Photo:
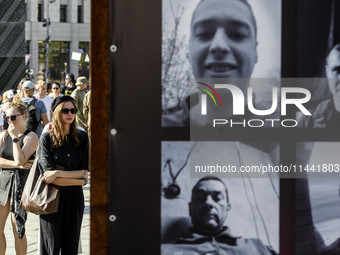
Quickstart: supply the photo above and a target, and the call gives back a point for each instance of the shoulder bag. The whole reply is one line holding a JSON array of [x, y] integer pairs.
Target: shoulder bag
[[39, 197]]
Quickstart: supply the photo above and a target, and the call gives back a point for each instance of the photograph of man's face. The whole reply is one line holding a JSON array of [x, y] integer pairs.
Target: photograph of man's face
[[196, 207], [209, 206], [223, 40], [216, 39]]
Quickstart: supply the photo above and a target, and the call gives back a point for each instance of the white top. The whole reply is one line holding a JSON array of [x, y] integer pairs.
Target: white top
[[47, 101]]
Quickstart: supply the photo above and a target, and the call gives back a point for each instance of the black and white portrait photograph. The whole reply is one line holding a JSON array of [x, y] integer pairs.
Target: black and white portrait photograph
[[217, 214], [318, 199], [318, 57], [215, 39]]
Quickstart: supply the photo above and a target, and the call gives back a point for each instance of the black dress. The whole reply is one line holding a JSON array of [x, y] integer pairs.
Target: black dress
[[12, 182], [61, 231]]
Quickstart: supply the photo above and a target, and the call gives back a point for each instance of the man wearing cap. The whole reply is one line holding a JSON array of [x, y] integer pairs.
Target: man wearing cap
[[27, 92], [78, 94]]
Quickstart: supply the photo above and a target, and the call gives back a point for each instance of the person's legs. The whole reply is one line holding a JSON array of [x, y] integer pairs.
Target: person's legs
[[72, 224], [50, 233], [20, 244], [4, 211]]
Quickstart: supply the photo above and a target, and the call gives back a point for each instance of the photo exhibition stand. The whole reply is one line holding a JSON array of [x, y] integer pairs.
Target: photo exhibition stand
[[130, 147]]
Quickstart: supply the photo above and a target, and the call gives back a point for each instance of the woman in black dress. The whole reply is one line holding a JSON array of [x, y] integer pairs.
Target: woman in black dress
[[17, 144], [66, 146]]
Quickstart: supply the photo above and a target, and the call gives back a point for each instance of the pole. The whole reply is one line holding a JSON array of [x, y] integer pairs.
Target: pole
[[47, 38]]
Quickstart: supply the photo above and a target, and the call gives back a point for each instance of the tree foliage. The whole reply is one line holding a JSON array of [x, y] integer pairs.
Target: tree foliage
[[176, 72]]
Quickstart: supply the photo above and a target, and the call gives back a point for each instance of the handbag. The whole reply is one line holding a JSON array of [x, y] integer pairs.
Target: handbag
[[39, 197]]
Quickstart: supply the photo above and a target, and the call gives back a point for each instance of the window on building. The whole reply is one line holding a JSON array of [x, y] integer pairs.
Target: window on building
[[83, 64], [80, 14], [27, 47], [59, 58], [40, 12], [63, 13]]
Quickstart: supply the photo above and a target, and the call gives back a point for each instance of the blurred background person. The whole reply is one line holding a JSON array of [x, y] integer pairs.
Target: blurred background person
[[49, 88], [56, 90], [37, 115], [20, 85], [78, 94], [41, 88], [70, 85], [87, 111], [7, 98]]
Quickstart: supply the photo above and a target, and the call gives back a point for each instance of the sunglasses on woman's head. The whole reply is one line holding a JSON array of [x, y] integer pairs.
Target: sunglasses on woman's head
[[13, 117], [72, 110]]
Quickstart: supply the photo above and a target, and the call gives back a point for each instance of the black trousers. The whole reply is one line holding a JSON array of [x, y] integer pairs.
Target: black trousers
[[61, 231]]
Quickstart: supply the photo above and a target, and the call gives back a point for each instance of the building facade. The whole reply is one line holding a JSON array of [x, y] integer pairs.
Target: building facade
[[12, 43], [69, 35]]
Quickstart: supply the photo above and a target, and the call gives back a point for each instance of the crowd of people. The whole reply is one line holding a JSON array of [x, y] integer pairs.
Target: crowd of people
[[50, 123]]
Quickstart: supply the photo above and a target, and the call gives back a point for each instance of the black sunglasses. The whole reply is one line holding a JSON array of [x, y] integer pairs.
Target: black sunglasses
[[66, 110], [55, 88], [13, 117]]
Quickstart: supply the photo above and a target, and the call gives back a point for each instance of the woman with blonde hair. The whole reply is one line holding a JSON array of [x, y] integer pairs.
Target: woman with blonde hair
[[64, 145], [17, 145]]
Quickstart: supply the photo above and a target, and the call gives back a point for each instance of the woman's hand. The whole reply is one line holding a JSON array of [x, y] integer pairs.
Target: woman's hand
[[49, 176], [13, 131], [86, 174], [26, 166]]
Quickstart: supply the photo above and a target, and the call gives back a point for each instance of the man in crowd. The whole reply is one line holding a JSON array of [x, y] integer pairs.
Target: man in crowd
[[222, 45], [208, 210], [87, 111], [78, 94], [34, 124], [41, 88], [327, 113]]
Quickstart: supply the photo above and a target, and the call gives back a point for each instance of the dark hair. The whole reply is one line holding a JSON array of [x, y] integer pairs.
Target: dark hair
[[243, 1], [71, 75], [210, 178], [56, 83]]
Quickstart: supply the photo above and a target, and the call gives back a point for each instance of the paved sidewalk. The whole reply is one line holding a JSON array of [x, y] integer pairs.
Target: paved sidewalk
[[32, 230]]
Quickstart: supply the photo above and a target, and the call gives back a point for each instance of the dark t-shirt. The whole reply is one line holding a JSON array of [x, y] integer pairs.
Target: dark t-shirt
[[68, 156], [67, 91]]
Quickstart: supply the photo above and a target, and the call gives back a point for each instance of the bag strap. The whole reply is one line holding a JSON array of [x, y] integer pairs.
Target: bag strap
[[33, 101]]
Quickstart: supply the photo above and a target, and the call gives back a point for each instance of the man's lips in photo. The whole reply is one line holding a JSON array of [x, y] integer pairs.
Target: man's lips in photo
[[210, 215], [220, 67]]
